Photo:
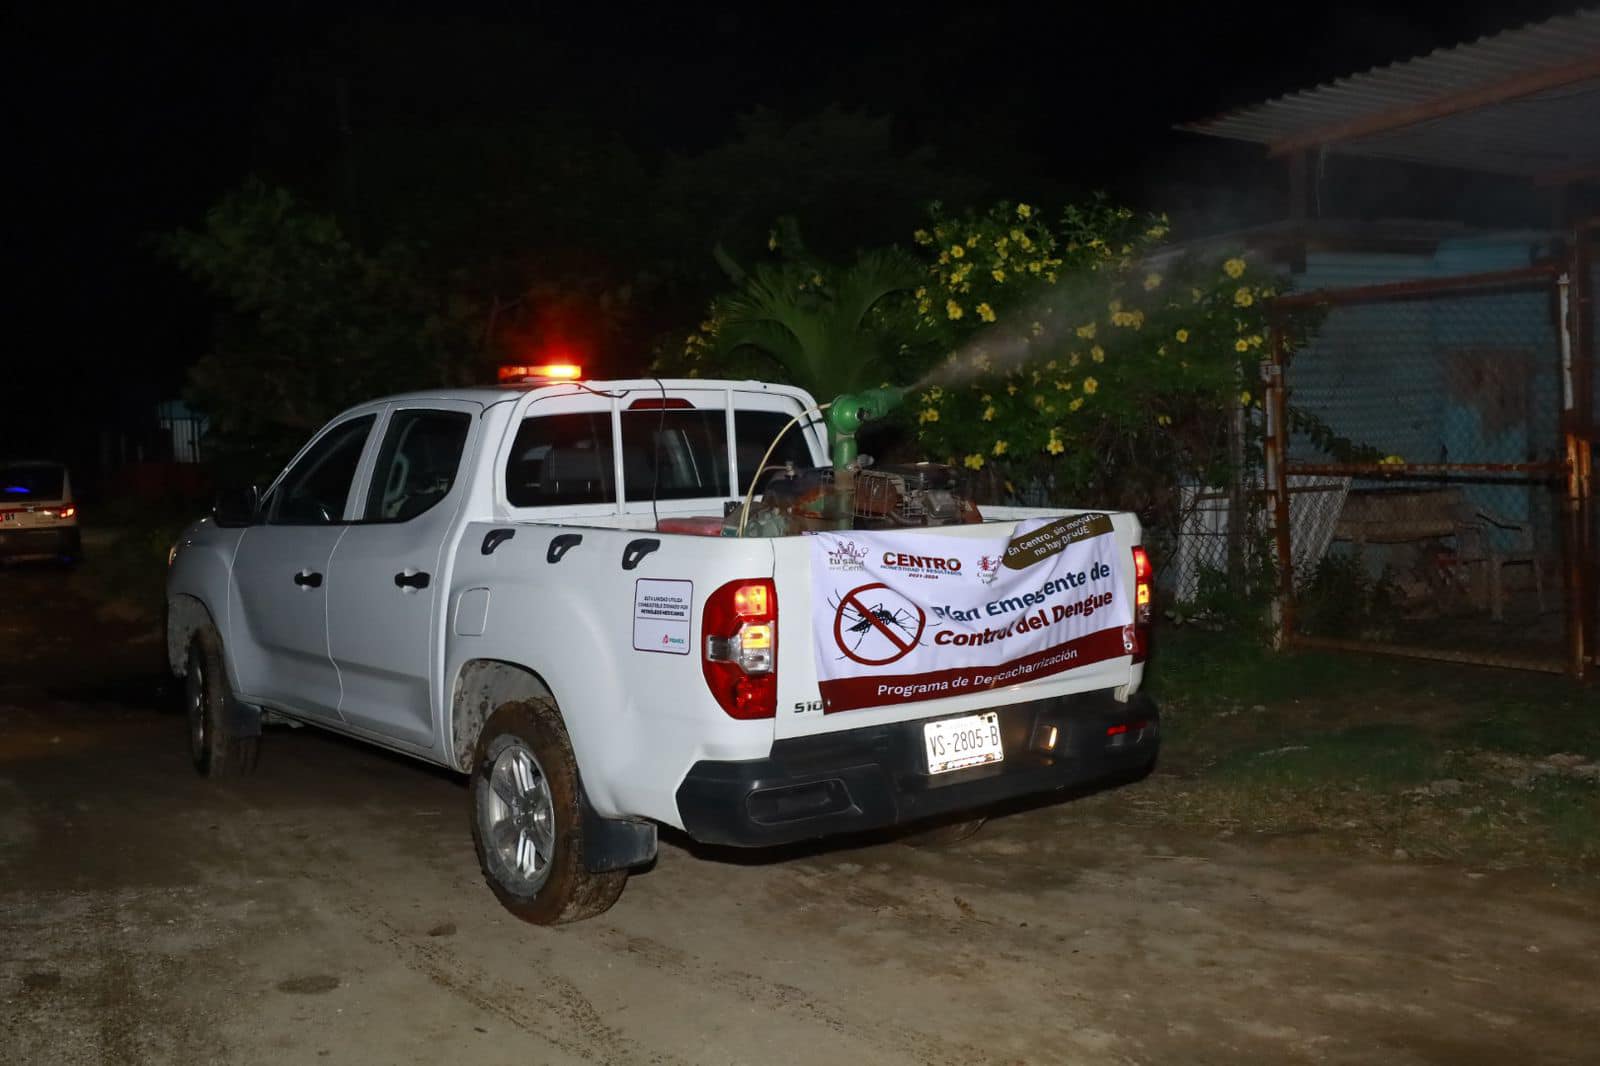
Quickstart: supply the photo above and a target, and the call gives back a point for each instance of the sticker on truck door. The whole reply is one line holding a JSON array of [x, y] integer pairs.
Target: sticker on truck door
[[920, 617], [661, 615]]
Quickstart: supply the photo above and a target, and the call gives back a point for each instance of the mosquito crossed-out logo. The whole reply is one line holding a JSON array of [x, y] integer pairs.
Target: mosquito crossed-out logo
[[875, 626], [847, 556]]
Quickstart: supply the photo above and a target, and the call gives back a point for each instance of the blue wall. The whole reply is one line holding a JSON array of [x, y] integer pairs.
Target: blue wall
[[1463, 378]]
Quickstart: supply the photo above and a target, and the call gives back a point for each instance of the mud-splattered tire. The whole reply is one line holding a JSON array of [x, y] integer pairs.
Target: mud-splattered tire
[[214, 745], [527, 819], [943, 834]]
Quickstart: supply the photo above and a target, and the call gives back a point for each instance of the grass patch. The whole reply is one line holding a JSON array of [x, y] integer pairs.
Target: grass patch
[[1569, 810], [1195, 667], [124, 569], [130, 570], [1378, 754], [1525, 727]]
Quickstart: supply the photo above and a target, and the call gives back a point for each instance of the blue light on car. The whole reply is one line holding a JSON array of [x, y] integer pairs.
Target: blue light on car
[[19, 489]]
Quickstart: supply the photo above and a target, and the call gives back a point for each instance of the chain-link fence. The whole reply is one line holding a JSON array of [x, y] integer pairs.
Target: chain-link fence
[[1423, 454]]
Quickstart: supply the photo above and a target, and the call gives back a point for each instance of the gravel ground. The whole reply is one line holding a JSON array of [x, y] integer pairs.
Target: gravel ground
[[329, 909]]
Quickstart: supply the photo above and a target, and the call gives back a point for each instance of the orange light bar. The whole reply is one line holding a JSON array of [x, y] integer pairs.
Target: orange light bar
[[554, 371]]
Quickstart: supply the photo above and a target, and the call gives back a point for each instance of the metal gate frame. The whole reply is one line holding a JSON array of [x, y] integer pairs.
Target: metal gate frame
[[1579, 438]]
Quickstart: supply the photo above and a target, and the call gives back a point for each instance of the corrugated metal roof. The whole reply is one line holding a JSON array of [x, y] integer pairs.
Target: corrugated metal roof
[[1546, 132]]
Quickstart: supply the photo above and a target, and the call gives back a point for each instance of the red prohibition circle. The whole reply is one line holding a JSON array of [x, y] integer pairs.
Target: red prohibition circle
[[850, 599]]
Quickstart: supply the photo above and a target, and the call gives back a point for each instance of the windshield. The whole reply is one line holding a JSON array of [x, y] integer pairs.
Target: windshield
[[27, 482]]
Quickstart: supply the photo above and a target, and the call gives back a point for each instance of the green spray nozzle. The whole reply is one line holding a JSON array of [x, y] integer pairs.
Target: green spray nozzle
[[846, 414]]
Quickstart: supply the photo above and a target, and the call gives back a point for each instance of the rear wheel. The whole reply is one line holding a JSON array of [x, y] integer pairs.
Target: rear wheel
[[527, 819], [214, 745]]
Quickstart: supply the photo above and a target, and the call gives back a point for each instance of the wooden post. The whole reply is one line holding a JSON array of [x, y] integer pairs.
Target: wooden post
[[1276, 450], [1577, 433]]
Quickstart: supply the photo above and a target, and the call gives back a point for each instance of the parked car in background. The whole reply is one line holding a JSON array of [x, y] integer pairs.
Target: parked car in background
[[38, 516]]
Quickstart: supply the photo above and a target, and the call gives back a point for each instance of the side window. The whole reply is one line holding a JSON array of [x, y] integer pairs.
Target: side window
[[562, 460], [315, 490], [753, 431], [417, 464], [691, 448]]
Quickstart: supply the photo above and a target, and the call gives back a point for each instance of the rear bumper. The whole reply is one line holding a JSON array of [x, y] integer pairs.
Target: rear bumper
[[877, 776], [21, 543]]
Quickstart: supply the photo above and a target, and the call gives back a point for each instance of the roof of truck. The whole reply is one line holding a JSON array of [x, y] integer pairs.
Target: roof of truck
[[492, 394]]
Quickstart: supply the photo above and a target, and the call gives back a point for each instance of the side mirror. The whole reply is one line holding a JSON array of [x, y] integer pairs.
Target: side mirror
[[237, 507]]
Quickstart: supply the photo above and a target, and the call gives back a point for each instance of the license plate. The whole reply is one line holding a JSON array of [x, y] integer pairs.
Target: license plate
[[958, 743]]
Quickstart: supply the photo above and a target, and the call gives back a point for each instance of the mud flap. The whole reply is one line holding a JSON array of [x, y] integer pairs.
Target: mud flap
[[243, 721], [615, 843]]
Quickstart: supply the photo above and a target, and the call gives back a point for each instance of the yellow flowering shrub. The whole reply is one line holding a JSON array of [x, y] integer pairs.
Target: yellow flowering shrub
[[1069, 350], [1085, 288]]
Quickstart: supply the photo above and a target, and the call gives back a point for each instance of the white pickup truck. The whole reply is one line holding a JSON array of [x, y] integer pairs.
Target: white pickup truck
[[544, 586]]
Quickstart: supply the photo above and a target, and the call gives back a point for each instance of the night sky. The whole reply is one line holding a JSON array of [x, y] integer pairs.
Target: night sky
[[128, 125]]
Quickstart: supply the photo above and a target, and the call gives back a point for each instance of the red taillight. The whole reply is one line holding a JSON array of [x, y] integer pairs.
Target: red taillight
[[60, 512], [751, 601], [739, 647], [1142, 610], [671, 403]]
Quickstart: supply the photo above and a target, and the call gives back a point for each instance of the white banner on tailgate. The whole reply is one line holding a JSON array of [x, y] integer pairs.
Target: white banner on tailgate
[[894, 624]]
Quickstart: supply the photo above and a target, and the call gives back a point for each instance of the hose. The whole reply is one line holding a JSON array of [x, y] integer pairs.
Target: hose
[[744, 515]]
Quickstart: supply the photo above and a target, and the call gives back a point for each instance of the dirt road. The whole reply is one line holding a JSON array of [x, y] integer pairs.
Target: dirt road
[[329, 909]]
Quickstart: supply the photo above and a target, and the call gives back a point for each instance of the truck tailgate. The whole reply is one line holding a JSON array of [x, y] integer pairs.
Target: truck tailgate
[[924, 623]]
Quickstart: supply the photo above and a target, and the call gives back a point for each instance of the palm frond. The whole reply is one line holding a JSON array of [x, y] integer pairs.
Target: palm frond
[[821, 334]]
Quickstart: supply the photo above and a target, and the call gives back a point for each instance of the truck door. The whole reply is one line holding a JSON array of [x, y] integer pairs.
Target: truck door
[[278, 631], [385, 580]]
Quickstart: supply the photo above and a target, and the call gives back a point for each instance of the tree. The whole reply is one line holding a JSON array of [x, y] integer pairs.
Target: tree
[[828, 329], [312, 324], [840, 173]]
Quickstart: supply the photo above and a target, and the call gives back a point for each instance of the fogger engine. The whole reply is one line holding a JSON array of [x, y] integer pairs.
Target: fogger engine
[[854, 493], [884, 497]]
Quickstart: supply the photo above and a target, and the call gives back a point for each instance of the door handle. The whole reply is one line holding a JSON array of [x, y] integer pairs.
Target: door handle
[[638, 549], [308, 579], [414, 580], [560, 545], [494, 538]]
